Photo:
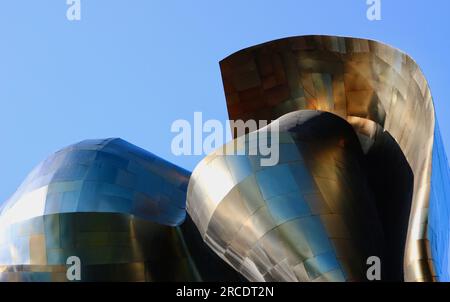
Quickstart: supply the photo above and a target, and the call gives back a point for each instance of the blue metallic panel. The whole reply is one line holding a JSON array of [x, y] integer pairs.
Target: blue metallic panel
[[439, 212]]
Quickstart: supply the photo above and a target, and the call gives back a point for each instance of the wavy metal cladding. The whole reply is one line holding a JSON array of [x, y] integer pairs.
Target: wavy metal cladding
[[110, 176], [115, 206], [371, 85], [308, 218]]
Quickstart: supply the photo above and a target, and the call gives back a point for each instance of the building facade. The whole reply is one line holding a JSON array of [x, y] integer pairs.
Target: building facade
[[361, 172]]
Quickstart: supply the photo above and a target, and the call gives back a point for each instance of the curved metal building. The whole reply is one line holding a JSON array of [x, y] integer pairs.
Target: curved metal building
[[402, 175], [116, 207], [360, 171]]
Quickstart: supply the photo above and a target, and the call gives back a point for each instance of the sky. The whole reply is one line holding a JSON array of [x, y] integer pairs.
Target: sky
[[131, 68]]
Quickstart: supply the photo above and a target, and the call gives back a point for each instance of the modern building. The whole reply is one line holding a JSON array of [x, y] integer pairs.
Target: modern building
[[361, 172], [118, 208], [329, 204]]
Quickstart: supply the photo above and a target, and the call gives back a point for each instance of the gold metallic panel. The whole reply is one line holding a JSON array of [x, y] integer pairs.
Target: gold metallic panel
[[355, 79], [308, 218]]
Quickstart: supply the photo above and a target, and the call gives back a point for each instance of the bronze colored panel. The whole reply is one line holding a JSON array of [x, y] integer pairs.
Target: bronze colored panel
[[381, 84], [307, 201]]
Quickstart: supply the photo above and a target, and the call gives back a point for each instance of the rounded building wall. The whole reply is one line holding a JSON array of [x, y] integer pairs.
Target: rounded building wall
[[349, 77]]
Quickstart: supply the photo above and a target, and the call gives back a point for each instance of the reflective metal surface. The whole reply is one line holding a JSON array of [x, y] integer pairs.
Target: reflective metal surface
[[111, 247], [362, 172], [311, 217], [371, 85], [101, 176], [115, 206], [438, 231]]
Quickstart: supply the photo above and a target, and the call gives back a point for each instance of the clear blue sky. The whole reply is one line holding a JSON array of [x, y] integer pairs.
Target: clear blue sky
[[130, 68]]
